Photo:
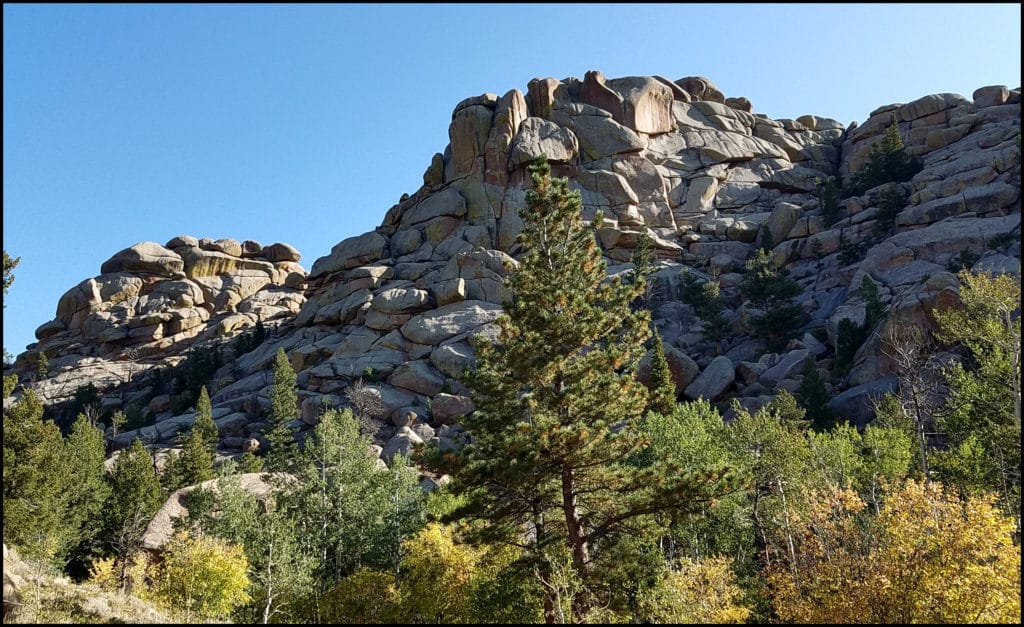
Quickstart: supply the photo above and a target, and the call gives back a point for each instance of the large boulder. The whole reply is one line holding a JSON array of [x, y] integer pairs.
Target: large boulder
[[161, 527], [538, 137], [349, 253], [857, 405], [434, 327], [280, 252], [714, 381], [148, 257]]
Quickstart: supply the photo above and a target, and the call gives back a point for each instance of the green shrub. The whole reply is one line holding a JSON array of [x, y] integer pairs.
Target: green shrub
[[962, 260], [852, 252], [1003, 240]]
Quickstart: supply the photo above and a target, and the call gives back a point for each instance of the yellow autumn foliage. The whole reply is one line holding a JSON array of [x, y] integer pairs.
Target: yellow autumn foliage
[[928, 558], [202, 577], [702, 591]]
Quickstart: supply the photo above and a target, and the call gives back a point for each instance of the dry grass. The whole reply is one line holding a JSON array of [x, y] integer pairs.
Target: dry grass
[[49, 598]]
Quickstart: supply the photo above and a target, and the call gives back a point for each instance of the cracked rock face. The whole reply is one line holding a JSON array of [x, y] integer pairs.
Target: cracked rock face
[[701, 174]]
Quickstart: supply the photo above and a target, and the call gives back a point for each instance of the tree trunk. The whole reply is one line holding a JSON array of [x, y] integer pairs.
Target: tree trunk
[[577, 539]]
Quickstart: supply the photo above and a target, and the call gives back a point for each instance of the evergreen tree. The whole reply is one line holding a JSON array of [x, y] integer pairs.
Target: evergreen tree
[[814, 398], [194, 464], [874, 307], [770, 290], [204, 423], [558, 404], [661, 390], [260, 332], [9, 266], [887, 161], [134, 497], [35, 481], [706, 300], [283, 409], [85, 450]]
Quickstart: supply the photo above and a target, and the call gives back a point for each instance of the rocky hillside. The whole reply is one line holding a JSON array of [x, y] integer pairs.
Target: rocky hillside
[[702, 175]]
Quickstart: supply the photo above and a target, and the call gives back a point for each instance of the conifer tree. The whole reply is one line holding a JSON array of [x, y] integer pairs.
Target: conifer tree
[[814, 398], [134, 497], [661, 391], [283, 410], [204, 424], [9, 266], [85, 451], [35, 479], [770, 289], [558, 404], [193, 465]]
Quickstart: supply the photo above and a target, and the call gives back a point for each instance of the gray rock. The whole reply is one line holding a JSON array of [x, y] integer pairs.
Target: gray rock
[[538, 137], [436, 326], [857, 404], [349, 253], [281, 252], [714, 381], [417, 376], [448, 202], [788, 366], [400, 444], [148, 257], [452, 358], [448, 408]]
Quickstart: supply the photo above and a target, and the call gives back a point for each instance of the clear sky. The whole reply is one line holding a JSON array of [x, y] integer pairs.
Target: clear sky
[[304, 124]]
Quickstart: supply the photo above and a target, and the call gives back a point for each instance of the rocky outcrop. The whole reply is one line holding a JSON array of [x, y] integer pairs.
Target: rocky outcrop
[[153, 302], [395, 311]]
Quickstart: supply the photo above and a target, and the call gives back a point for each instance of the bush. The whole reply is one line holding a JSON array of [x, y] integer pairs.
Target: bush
[[852, 252], [202, 576], [963, 260]]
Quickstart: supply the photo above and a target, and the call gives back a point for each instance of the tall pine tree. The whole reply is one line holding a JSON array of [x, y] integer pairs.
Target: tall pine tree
[[283, 409], [661, 390], [204, 424], [134, 497], [558, 403]]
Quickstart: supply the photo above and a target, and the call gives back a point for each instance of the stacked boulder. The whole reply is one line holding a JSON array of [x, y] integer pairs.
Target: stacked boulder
[[387, 319], [151, 302]]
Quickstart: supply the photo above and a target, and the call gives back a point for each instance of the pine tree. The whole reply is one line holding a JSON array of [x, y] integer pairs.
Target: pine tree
[[35, 477], [9, 266], [661, 390], [814, 398], [194, 464], [887, 161], [283, 410], [204, 423], [85, 451], [260, 333], [558, 404], [770, 290], [134, 497]]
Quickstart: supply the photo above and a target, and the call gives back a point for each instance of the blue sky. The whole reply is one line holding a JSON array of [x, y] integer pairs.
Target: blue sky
[[304, 124]]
